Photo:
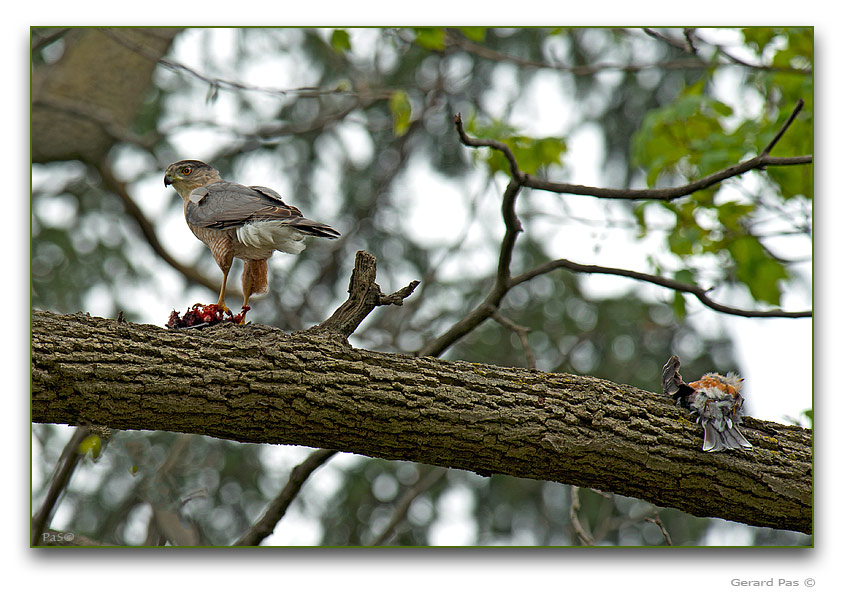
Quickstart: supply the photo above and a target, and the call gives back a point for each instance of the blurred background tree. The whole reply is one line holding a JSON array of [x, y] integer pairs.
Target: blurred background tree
[[354, 126]]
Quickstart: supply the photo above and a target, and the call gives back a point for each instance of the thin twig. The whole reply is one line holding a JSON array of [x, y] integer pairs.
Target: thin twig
[[578, 528], [216, 83], [784, 127], [521, 332], [693, 62], [668, 40], [515, 172], [689, 34], [422, 485], [658, 521], [758, 162], [67, 463], [278, 507]]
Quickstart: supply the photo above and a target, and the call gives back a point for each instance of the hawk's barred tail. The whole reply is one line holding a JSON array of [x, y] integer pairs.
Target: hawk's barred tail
[[314, 228]]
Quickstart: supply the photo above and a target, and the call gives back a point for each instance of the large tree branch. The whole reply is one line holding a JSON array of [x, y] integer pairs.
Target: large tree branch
[[257, 384]]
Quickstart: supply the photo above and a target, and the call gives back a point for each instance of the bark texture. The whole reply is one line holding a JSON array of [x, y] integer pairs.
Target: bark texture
[[259, 384]]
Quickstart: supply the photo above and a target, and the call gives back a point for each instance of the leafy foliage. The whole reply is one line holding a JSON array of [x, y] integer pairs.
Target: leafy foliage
[[698, 135]]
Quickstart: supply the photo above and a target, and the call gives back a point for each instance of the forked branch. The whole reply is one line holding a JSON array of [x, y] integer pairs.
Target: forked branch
[[504, 280]]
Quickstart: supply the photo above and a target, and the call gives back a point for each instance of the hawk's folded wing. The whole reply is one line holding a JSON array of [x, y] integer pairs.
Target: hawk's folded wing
[[226, 205]]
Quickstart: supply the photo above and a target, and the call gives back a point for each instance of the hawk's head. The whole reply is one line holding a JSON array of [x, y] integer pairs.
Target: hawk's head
[[188, 175]]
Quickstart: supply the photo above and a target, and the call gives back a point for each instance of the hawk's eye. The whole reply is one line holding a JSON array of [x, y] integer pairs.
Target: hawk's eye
[[186, 171]]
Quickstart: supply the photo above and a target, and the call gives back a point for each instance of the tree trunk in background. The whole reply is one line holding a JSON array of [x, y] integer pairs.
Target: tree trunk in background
[[258, 384], [90, 96]]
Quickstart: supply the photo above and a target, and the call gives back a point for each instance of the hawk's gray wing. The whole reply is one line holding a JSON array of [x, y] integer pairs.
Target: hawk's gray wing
[[227, 205]]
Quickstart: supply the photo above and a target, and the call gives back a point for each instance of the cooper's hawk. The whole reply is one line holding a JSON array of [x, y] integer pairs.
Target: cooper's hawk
[[717, 401], [237, 221]]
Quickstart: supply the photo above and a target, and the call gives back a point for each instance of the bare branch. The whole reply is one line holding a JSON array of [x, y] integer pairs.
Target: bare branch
[[364, 296], [668, 40], [666, 194], [758, 162], [422, 485], [490, 304], [504, 281], [668, 283], [689, 34], [515, 172], [521, 332], [574, 507], [68, 461], [655, 519], [782, 130], [456, 40], [278, 507]]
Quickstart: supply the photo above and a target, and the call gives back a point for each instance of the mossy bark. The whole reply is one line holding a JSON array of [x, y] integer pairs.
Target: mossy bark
[[258, 384]]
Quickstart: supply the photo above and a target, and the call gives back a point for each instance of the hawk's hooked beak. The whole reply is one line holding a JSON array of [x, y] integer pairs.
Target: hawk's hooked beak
[[167, 180]]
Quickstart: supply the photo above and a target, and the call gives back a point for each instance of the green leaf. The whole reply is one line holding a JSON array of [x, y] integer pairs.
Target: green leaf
[[722, 109], [400, 110], [431, 38], [684, 275], [531, 153], [683, 240], [731, 213], [759, 37], [340, 41], [641, 223], [679, 305], [687, 137], [91, 445], [474, 33], [756, 269]]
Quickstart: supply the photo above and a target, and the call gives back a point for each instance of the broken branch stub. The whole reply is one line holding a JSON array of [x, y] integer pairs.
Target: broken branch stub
[[364, 296]]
